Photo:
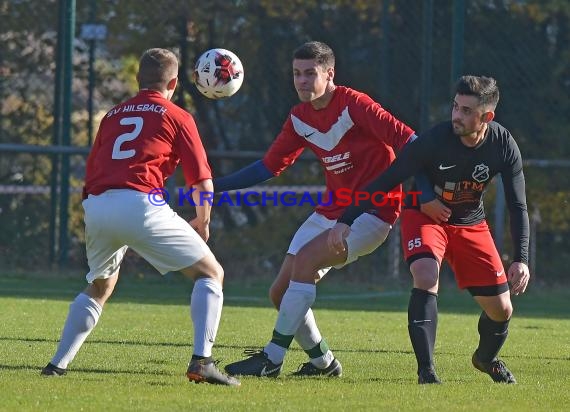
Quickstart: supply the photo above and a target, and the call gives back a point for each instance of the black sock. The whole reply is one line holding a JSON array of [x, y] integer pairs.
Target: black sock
[[281, 340], [422, 325], [492, 335], [198, 357]]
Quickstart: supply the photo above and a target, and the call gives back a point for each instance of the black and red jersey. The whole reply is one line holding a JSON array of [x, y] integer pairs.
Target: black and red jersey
[[460, 175]]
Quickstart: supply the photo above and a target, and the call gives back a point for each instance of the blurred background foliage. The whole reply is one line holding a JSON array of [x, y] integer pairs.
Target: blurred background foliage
[[400, 52]]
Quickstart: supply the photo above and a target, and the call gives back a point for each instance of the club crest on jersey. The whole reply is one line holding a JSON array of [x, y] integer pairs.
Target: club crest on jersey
[[481, 173]]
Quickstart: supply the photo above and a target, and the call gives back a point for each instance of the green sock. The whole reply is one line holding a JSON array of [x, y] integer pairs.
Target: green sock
[[319, 350]]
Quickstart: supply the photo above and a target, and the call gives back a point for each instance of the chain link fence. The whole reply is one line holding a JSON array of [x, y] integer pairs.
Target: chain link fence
[[405, 54]]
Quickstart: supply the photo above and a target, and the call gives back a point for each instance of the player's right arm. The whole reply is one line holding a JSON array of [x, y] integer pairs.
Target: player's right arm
[[410, 161], [283, 152], [429, 204], [397, 134]]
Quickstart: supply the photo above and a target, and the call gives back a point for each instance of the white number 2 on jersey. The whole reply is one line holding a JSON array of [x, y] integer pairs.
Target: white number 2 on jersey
[[127, 137]]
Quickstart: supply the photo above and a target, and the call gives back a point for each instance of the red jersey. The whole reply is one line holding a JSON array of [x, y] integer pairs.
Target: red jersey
[[354, 138], [139, 144]]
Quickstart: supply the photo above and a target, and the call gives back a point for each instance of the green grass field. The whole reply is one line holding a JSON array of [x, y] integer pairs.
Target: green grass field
[[136, 357]]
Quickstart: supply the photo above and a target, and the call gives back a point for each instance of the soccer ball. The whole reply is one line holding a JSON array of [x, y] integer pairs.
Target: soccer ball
[[218, 73]]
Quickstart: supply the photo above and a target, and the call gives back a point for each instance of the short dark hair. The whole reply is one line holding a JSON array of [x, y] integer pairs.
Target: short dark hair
[[484, 88], [317, 50], [156, 68]]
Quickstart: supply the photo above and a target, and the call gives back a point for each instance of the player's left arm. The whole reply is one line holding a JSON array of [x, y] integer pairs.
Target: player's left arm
[[250, 175], [515, 196], [201, 223], [429, 204], [282, 153], [197, 174]]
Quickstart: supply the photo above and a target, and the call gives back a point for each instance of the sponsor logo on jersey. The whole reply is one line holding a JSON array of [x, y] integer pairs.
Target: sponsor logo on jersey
[[442, 167], [466, 191], [336, 158], [337, 163]]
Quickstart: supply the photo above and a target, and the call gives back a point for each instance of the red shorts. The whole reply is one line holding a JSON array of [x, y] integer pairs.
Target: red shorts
[[469, 250]]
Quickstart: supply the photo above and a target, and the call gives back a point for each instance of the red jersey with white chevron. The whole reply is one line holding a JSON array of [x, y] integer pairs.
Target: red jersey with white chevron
[[139, 144], [354, 138]]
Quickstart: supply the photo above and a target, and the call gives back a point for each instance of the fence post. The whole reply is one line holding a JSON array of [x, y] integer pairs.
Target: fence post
[[92, 45], [427, 46], [56, 137], [66, 130], [458, 32], [385, 51]]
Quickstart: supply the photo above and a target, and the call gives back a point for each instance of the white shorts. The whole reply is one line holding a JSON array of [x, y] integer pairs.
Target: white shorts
[[121, 218], [367, 232]]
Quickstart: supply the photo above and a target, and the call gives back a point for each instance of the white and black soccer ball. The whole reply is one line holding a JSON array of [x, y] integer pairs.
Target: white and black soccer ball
[[218, 73]]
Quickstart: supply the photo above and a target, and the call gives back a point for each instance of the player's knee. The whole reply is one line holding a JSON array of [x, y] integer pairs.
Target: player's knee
[[212, 270], [305, 269], [425, 273], [302, 263], [101, 289], [275, 295], [506, 312], [217, 272], [506, 307], [426, 280], [501, 313]]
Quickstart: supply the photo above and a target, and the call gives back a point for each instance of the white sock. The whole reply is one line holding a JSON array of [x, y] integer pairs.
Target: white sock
[[275, 353], [323, 362], [308, 336], [296, 301], [84, 312], [206, 309]]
